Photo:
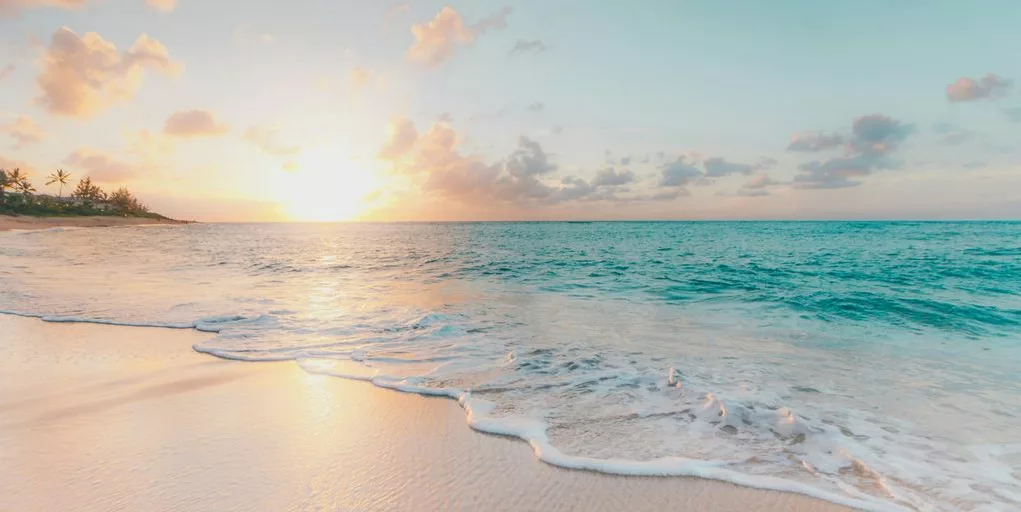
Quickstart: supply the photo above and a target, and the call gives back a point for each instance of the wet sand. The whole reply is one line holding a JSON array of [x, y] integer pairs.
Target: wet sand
[[9, 222], [99, 418]]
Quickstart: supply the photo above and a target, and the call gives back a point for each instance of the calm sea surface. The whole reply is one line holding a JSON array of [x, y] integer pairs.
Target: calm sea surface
[[875, 363]]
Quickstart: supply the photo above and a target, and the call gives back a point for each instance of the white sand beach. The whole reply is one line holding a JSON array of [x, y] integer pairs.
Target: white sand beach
[[100, 418]]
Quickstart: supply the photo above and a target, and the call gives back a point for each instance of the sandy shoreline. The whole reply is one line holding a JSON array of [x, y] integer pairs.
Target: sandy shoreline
[[96, 417], [9, 222]]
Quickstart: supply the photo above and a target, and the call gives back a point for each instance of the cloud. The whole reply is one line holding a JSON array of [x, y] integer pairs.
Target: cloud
[[610, 177], [15, 5], [876, 133], [361, 77], [268, 140], [988, 87], [436, 40], [678, 173], [529, 160], [760, 181], [8, 164], [976, 164], [523, 46], [434, 163], [163, 5], [837, 172], [194, 123], [24, 131], [84, 75], [396, 9], [439, 173], [1013, 114], [535, 107], [6, 71], [403, 137], [758, 186], [717, 167], [100, 166], [874, 138], [814, 141]]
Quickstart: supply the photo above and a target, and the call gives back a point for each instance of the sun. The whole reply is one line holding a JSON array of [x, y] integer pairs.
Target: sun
[[325, 186]]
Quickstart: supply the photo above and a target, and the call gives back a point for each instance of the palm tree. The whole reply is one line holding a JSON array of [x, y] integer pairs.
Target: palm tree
[[10, 179], [25, 187], [3, 184], [26, 190], [61, 176], [16, 176]]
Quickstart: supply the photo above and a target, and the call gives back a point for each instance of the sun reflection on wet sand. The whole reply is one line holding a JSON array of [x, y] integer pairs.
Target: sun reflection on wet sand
[[113, 418]]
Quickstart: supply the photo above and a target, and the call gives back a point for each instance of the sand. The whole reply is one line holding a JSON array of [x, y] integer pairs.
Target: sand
[[9, 222], [100, 418]]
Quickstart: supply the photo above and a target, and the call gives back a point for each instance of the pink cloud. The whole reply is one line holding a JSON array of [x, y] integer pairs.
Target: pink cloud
[[24, 131], [84, 75], [436, 40], [163, 5], [15, 5], [434, 164], [396, 9], [403, 136], [988, 87], [194, 123], [814, 141], [100, 166], [8, 164]]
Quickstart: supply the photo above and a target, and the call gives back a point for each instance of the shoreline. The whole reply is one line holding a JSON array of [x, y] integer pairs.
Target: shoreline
[[28, 223], [512, 468]]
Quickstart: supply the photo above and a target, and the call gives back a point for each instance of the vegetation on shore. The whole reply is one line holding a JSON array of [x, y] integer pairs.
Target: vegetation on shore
[[18, 197]]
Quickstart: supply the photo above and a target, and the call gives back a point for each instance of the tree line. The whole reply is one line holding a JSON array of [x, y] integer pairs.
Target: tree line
[[89, 198]]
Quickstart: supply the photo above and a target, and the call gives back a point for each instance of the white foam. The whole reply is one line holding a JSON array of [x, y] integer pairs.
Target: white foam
[[533, 432], [87, 320]]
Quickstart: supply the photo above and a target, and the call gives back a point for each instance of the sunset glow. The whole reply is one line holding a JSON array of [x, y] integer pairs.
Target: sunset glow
[[339, 189], [505, 111]]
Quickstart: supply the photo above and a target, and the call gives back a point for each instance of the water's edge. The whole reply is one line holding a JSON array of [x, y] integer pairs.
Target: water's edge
[[529, 430]]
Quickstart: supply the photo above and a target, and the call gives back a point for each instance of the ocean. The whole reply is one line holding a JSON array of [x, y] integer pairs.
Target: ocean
[[873, 364]]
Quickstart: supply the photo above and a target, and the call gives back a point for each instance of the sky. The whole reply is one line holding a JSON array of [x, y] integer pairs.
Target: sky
[[219, 110]]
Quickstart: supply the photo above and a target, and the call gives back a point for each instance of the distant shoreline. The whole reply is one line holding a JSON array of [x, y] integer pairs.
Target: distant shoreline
[[12, 222]]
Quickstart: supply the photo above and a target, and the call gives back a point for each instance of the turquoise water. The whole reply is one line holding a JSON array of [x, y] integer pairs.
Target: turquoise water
[[869, 363]]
